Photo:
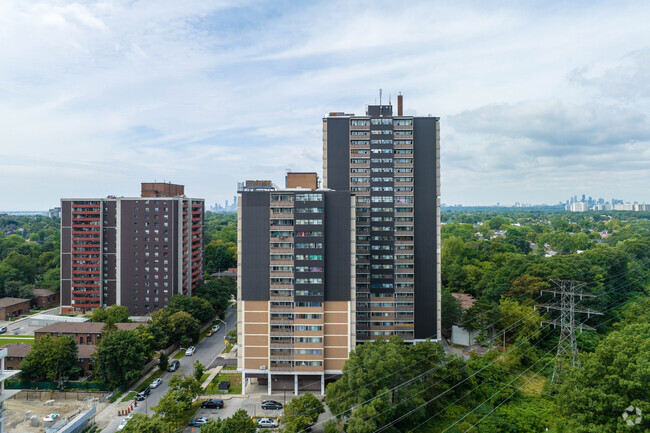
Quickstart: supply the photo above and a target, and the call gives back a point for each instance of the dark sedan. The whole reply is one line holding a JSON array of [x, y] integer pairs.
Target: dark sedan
[[213, 403], [271, 405]]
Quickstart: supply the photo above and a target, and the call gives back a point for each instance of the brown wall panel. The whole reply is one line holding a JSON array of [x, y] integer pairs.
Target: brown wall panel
[[255, 329], [256, 352], [255, 363], [336, 306], [336, 317], [258, 317], [341, 352], [256, 306], [336, 329], [334, 364], [256, 340]]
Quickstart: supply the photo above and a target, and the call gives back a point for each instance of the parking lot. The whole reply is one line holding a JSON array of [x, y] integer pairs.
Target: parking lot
[[252, 405]]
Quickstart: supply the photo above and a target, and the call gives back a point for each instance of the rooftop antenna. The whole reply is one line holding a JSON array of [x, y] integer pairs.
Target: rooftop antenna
[[389, 95], [379, 96]]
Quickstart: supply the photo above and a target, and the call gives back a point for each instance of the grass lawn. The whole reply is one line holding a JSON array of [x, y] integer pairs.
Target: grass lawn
[[7, 339], [202, 336], [158, 373], [180, 354], [204, 377], [233, 378], [116, 394], [229, 367], [130, 396], [228, 348]]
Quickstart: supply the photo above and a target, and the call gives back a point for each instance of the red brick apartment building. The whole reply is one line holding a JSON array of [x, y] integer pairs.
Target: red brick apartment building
[[132, 251]]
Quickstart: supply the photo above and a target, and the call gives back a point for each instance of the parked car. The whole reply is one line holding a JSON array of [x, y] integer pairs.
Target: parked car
[[267, 423], [190, 351], [209, 333], [213, 403], [143, 394], [271, 405], [156, 383], [3, 329], [216, 328], [197, 422], [174, 365], [122, 424], [51, 417]]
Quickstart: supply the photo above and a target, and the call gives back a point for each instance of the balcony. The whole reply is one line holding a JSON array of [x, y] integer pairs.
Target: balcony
[[281, 308], [280, 333], [282, 355], [281, 204], [285, 216], [281, 228]]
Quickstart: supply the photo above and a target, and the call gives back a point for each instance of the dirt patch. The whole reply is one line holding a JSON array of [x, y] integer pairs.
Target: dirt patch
[[16, 409]]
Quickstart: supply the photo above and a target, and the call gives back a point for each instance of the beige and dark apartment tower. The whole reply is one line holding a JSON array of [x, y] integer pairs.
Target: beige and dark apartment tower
[[296, 288], [391, 163]]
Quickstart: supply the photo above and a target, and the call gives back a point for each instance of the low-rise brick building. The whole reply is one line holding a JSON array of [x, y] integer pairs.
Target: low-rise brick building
[[84, 333], [44, 298], [13, 307], [16, 352]]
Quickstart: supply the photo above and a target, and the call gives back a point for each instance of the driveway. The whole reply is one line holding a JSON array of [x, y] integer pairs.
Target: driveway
[[206, 352]]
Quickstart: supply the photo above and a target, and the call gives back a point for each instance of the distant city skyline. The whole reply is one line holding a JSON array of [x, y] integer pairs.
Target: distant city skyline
[[536, 101]]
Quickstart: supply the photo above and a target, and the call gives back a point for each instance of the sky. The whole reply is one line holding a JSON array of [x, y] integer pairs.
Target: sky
[[538, 101]]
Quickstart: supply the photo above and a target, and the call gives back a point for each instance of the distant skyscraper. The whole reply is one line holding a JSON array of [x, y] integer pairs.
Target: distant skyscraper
[[136, 252], [391, 163]]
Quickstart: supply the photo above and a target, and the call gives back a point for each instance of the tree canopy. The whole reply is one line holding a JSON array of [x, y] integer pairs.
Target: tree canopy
[[51, 359], [120, 358]]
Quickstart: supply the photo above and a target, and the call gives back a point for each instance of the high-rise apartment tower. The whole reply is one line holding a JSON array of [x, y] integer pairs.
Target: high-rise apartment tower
[[136, 252], [391, 163], [296, 283]]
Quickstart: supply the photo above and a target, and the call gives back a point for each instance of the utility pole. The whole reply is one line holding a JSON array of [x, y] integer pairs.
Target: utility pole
[[567, 348]]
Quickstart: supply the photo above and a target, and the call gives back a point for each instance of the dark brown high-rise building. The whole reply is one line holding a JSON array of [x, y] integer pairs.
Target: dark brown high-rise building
[[132, 251], [391, 163]]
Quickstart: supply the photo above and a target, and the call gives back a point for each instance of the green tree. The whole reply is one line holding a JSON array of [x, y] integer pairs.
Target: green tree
[[220, 255], [111, 315], [188, 384], [217, 292], [120, 358], [163, 361], [301, 412], [451, 312], [141, 423], [182, 326], [199, 369], [172, 406], [518, 320], [200, 309], [51, 359], [612, 378], [148, 339], [241, 422], [218, 425]]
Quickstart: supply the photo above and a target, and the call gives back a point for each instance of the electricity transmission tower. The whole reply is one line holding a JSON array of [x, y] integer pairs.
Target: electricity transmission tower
[[567, 349]]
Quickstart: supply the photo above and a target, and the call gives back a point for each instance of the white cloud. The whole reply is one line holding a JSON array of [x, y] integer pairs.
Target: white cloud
[[98, 96]]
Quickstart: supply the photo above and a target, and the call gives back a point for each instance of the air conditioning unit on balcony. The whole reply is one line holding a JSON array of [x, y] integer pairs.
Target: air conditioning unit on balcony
[[262, 367]]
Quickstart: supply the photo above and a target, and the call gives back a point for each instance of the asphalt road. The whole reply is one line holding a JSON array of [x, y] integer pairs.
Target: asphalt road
[[206, 351]]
